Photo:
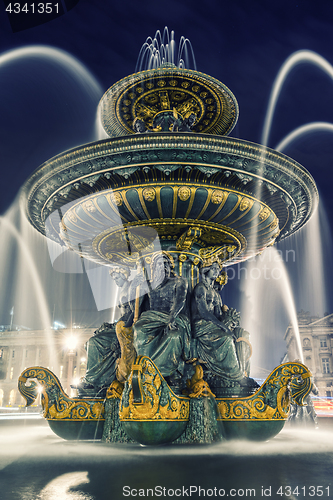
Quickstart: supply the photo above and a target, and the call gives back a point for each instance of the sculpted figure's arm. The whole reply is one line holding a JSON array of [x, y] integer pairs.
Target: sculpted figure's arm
[[200, 297], [178, 302], [218, 307]]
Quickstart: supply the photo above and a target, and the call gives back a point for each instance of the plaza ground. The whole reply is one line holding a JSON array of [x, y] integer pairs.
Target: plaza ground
[[35, 464]]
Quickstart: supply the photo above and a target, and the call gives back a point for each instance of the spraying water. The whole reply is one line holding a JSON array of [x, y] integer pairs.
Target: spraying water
[[162, 49], [302, 131], [70, 63], [268, 303], [26, 279], [312, 248], [301, 56]]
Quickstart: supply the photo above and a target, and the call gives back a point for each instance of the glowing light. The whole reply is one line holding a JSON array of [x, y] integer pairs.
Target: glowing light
[[71, 342], [57, 325]]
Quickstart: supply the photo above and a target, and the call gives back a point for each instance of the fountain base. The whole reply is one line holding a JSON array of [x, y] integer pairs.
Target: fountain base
[[150, 413]]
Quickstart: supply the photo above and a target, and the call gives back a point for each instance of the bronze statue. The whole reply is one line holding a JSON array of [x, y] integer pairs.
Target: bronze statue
[[163, 333], [103, 349], [216, 331], [185, 125], [139, 126]]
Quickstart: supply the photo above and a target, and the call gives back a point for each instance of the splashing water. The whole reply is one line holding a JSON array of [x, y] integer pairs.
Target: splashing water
[[262, 312], [301, 56], [302, 131], [162, 49], [70, 63], [26, 279], [311, 259]]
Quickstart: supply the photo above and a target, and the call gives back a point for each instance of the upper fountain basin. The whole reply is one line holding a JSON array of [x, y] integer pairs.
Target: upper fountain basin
[[147, 94], [222, 191]]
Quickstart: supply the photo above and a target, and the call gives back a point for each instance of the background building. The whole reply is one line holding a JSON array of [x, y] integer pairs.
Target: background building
[[316, 337], [20, 349]]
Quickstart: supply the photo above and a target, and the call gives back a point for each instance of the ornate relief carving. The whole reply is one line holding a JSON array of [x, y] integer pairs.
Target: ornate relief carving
[[271, 401], [157, 402], [56, 404]]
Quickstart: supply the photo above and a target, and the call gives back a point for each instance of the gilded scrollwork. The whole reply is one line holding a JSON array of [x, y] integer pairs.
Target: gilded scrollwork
[[289, 381], [56, 404], [158, 402]]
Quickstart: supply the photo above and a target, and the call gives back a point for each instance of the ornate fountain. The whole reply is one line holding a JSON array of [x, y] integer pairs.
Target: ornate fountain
[[169, 182]]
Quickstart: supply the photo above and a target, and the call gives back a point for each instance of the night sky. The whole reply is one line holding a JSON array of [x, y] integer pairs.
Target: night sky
[[45, 110]]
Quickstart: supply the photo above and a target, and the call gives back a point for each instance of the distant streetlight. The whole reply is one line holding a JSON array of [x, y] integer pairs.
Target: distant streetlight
[[71, 342], [57, 325]]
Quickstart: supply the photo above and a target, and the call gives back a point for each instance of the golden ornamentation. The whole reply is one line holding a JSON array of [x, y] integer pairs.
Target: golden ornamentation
[[125, 336], [182, 257], [89, 206], [115, 390], [62, 226], [186, 240], [222, 279], [197, 387], [154, 391], [274, 224], [196, 261], [149, 194], [264, 213], [271, 401], [217, 254], [218, 196], [161, 91], [117, 199], [245, 204], [56, 404], [184, 193]]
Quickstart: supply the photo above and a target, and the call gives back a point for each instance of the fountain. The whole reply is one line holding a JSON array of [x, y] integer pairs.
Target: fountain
[[167, 202]]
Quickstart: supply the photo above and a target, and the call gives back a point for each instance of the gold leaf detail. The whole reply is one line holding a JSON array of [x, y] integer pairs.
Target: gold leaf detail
[[117, 199], [184, 193], [149, 194], [264, 213], [245, 204], [217, 196]]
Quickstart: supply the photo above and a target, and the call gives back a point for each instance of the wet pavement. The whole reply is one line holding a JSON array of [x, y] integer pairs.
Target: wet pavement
[[35, 464]]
